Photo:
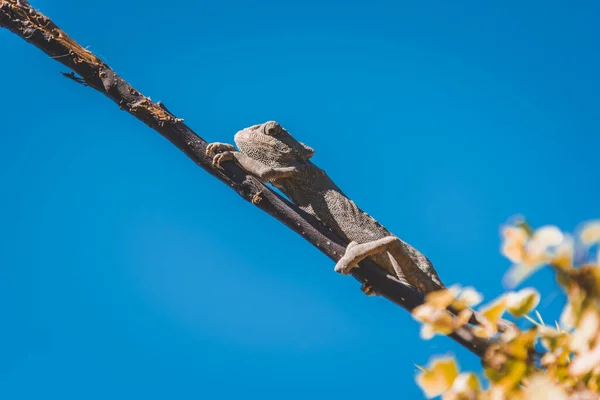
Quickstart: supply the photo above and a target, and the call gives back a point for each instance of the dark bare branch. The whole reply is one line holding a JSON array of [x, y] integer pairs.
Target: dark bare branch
[[37, 29]]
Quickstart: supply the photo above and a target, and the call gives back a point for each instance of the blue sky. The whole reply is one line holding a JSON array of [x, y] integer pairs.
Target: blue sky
[[128, 272]]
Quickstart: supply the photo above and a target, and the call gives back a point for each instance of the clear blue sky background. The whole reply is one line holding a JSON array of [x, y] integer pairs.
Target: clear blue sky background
[[128, 272]]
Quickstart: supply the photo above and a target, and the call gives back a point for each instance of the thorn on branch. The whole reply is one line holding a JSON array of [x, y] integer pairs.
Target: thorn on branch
[[72, 76]]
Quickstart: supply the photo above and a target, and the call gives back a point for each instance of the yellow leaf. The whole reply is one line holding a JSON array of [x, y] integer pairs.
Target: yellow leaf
[[494, 311], [438, 377], [470, 296], [563, 255], [443, 322], [491, 314], [546, 236], [518, 273], [514, 239], [586, 331], [462, 318], [516, 371], [427, 332], [423, 312], [498, 393], [567, 317], [541, 387], [516, 234], [435, 320], [465, 386], [441, 298], [590, 234], [522, 302], [585, 362]]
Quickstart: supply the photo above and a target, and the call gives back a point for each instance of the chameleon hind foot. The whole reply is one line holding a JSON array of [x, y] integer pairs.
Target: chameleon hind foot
[[356, 252], [368, 289]]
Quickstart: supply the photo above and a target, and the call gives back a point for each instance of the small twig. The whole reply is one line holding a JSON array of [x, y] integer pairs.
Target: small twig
[[72, 76]]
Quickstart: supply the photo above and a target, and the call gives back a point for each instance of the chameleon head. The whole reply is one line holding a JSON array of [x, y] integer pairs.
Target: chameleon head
[[271, 144]]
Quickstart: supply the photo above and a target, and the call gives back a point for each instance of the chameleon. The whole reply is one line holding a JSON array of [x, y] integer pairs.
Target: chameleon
[[270, 153]]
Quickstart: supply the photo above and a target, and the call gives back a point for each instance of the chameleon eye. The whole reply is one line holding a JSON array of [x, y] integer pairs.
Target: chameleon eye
[[272, 128]]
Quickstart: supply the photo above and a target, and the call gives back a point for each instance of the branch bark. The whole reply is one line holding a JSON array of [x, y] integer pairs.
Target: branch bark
[[34, 27]]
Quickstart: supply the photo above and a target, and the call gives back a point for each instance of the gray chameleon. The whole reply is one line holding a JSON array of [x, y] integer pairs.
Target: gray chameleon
[[270, 153]]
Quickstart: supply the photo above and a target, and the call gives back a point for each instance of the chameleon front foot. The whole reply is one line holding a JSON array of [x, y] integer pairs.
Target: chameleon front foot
[[220, 152], [224, 156], [218, 147]]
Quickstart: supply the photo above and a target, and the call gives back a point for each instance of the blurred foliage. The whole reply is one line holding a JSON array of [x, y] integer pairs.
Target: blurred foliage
[[541, 362]]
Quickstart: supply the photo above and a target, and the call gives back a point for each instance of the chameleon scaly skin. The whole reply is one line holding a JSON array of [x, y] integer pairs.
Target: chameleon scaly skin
[[270, 153]]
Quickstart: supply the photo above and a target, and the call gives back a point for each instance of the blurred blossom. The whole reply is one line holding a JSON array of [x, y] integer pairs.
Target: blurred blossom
[[434, 316], [522, 302], [568, 364], [491, 313], [528, 251], [590, 233], [541, 387], [438, 377], [465, 386]]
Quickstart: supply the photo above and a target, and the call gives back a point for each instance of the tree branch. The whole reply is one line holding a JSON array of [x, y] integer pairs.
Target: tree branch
[[37, 29]]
